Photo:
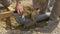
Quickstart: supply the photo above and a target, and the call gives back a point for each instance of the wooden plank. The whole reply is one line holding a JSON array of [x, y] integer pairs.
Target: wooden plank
[[6, 14]]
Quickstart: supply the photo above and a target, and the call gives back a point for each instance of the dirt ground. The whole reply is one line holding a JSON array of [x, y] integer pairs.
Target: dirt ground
[[9, 25]]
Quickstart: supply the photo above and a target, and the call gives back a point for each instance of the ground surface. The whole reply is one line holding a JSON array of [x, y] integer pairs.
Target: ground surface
[[6, 28]]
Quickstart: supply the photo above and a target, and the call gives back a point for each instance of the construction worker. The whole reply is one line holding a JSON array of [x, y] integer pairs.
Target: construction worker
[[19, 8]]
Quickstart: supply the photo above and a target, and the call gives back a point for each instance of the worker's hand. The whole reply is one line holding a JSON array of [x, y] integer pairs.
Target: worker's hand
[[19, 9]]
